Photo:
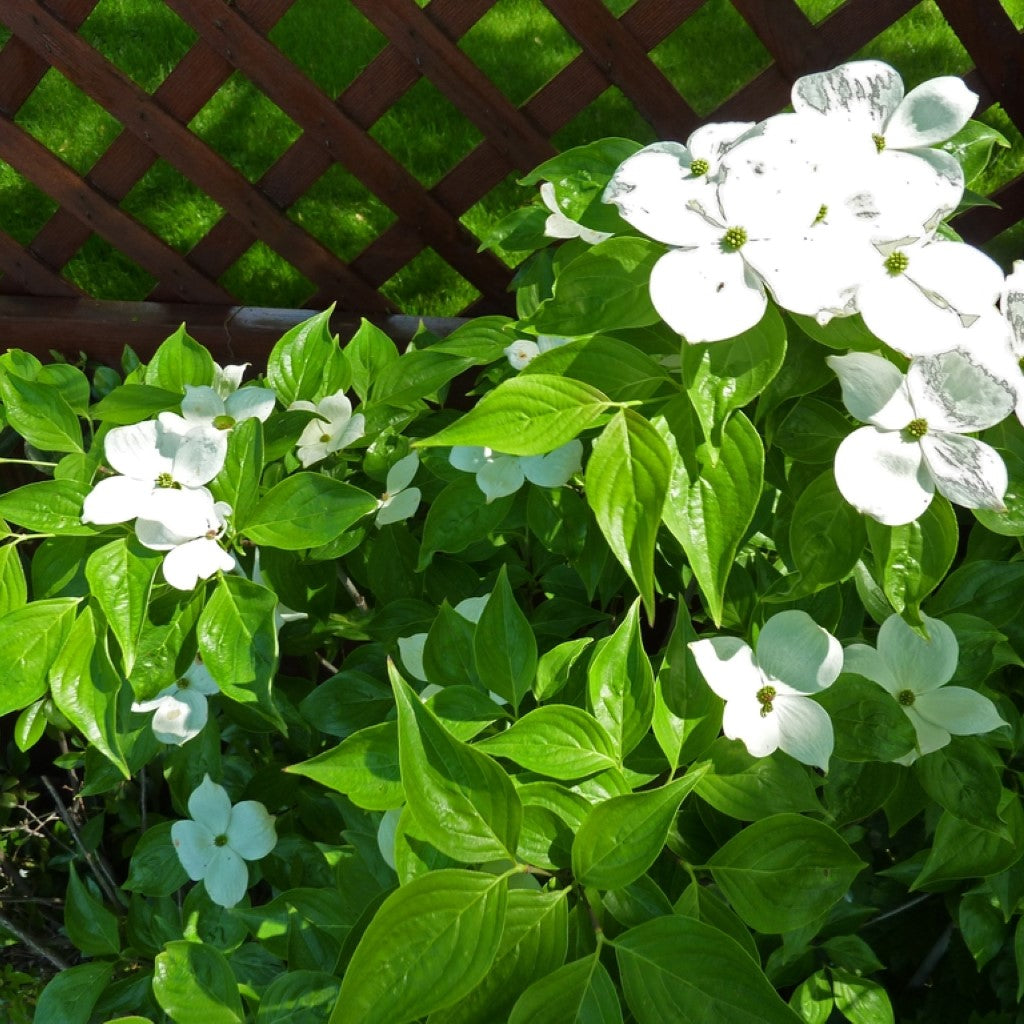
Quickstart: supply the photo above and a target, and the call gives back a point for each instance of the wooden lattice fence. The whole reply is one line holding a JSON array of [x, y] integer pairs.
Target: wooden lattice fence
[[40, 306]]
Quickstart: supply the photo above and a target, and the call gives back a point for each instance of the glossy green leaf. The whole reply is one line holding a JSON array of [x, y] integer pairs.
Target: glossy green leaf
[[459, 516], [556, 665], [826, 534], [179, 360], [132, 403], [622, 837], [30, 638], [869, 724], [704, 903], [40, 414], [812, 999], [306, 363], [70, 996], [306, 510], [429, 945], [418, 374], [580, 992], [627, 481], [13, 587], [505, 646], [861, 1000], [987, 589], [155, 869], [298, 997], [194, 984], [680, 969], [90, 926], [784, 871], [50, 506], [369, 352], [238, 482], [462, 800]]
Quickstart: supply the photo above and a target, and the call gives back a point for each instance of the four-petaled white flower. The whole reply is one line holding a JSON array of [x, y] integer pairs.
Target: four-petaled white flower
[[159, 465], [399, 500], [498, 475], [915, 443], [180, 709], [215, 844], [188, 529], [558, 225], [523, 351], [334, 428], [915, 670], [767, 694], [205, 406]]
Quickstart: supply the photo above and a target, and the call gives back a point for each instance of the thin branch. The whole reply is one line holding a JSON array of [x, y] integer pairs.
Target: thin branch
[[32, 943], [353, 591]]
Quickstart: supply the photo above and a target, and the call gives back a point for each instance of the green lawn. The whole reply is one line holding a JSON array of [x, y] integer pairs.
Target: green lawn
[[518, 44]]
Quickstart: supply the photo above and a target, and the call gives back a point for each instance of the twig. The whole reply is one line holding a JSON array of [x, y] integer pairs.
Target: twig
[[142, 799], [929, 963], [898, 910], [32, 943], [353, 591]]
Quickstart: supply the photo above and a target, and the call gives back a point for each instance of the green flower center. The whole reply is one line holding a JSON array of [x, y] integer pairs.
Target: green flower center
[[897, 262], [734, 239], [905, 697], [183, 683], [879, 141], [325, 438], [765, 696], [224, 422], [699, 167], [168, 482], [221, 840], [822, 214], [917, 428]]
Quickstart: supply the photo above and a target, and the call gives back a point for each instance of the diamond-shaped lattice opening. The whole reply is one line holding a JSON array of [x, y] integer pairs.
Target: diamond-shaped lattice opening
[[819, 10], [1004, 164], [144, 38], [921, 45], [1015, 9], [171, 206], [260, 277], [481, 217], [427, 286], [330, 42], [610, 114], [24, 209], [244, 126], [711, 55], [519, 46], [104, 272], [67, 122], [341, 213], [426, 133]]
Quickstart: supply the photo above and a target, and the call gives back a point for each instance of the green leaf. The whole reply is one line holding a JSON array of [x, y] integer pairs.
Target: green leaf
[[620, 684], [783, 872], [194, 984], [70, 996], [238, 482], [298, 997], [369, 352], [869, 724], [120, 576], [131, 403], [30, 726], [90, 926], [238, 643], [556, 665], [85, 687], [559, 740], [155, 869], [749, 788], [606, 286], [505, 647], [533, 943], [972, 147], [987, 589], [462, 800], [861, 1000], [526, 415], [306, 510], [30, 638], [180, 360], [812, 430], [727, 375], [364, 767], [622, 837], [459, 516], [40, 414], [712, 503], [306, 363], [705, 904], [50, 506], [982, 926], [962, 779], [580, 992], [417, 375], [430, 943], [13, 587], [627, 481], [680, 969], [449, 658], [482, 339], [812, 999], [910, 561]]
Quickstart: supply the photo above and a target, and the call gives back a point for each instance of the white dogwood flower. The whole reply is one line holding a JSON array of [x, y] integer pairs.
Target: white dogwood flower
[[215, 844], [334, 428], [498, 475], [399, 500], [180, 709], [915, 443], [915, 670], [188, 529], [767, 694], [558, 225], [159, 464], [1012, 305], [523, 351], [204, 406]]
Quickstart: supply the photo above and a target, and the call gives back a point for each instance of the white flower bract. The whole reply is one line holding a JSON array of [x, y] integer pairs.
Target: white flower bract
[[399, 500], [499, 475], [180, 710], [334, 428]]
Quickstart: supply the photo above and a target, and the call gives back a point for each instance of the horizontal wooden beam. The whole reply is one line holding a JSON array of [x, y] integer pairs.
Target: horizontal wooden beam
[[233, 334]]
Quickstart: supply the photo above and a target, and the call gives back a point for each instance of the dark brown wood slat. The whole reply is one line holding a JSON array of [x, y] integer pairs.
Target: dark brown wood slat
[[35, 162], [438, 59], [995, 46], [298, 97], [786, 33], [624, 62], [381, 84], [99, 79], [23, 272], [183, 93]]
